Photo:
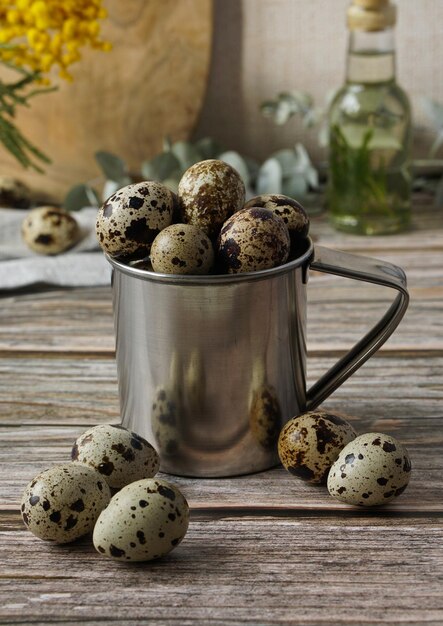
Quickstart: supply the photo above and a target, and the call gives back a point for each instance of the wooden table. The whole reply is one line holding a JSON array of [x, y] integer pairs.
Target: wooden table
[[263, 549]]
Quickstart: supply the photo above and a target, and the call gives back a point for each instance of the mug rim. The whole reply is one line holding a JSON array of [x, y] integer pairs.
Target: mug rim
[[211, 279]]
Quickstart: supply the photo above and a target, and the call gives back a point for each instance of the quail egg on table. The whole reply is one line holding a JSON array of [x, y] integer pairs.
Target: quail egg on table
[[310, 443], [182, 249], [251, 240], [63, 503], [209, 192], [144, 521], [132, 217], [49, 230], [118, 454], [371, 470], [290, 211]]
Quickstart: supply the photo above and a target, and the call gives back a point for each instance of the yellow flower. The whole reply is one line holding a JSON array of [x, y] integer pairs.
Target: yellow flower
[[49, 33]]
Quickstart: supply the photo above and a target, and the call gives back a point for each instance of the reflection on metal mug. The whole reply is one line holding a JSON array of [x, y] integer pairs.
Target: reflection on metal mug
[[211, 367]]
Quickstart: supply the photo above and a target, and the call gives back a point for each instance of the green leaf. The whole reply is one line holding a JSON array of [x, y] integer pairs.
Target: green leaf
[[269, 178], [288, 161], [296, 164], [167, 144], [295, 186], [301, 101], [253, 168], [80, 196], [109, 188], [208, 148], [160, 167], [436, 144], [279, 112], [434, 112], [235, 160], [112, 166], [186, 154], [287, 104]]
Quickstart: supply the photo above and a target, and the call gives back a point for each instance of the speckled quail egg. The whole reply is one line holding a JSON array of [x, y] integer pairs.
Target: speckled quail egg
[[210, 191], [165, 420], [310, 443], [144, 521], [290, 211], [371, 470], [49, 230], [118, 454], [182, 249], [64, 502], [132, 217], [14, 193], [265, 416], [251, 240]]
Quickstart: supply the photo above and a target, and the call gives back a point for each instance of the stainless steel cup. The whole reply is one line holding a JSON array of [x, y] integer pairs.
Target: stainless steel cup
[[211, 367]]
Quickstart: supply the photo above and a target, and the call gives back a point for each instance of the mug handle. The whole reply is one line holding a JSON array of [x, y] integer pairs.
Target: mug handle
[[371, 271]]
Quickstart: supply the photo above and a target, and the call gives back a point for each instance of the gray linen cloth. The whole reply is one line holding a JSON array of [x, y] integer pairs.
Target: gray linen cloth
[[82, 266]]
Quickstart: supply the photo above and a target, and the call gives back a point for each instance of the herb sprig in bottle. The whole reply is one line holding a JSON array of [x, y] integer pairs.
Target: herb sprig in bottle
[[370, 130]]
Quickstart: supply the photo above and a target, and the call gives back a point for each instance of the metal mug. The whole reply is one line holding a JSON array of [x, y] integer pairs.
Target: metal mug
[[211, 367]]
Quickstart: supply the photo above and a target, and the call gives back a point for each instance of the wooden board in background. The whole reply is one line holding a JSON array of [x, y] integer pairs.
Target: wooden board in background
[[151, 84]]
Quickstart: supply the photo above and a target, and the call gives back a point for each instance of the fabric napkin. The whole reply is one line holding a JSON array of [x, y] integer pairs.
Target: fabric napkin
[[82, 266]]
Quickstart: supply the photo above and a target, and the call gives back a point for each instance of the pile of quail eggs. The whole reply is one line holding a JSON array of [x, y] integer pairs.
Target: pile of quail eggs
[[322, 447], [205, 229], [144, 520], [147, 517]]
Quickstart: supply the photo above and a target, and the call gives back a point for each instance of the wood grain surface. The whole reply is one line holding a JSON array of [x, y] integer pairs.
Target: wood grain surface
[[261, 549], [150, 85]]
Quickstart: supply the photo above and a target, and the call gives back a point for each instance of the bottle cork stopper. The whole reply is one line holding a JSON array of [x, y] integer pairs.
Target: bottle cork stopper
[[372, 5], [371, 15]]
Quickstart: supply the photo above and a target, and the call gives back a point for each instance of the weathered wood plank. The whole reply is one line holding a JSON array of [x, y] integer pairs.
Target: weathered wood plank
[[83, 392], [76, 320], [266, 548], [46, 403], [339, 312], [58, 390], [234, 570], [274, 489]]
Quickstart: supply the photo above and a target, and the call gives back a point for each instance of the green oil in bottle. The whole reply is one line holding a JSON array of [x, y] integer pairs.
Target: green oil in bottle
[[369, 189]]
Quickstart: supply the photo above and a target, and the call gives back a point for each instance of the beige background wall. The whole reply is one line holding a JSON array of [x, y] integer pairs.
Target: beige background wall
[[263, 46]]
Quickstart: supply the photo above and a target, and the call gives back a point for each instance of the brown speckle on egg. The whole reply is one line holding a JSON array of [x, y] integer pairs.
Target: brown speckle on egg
[[251, 240], [310, 443], [371, 470], [182, 249], [50, 230], [143, 521], [118, 454], [290, 211], [132, 217], [209, 192], [63, 503]]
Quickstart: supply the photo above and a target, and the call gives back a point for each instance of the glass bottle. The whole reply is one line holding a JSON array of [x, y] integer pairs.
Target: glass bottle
[[369, 189]]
